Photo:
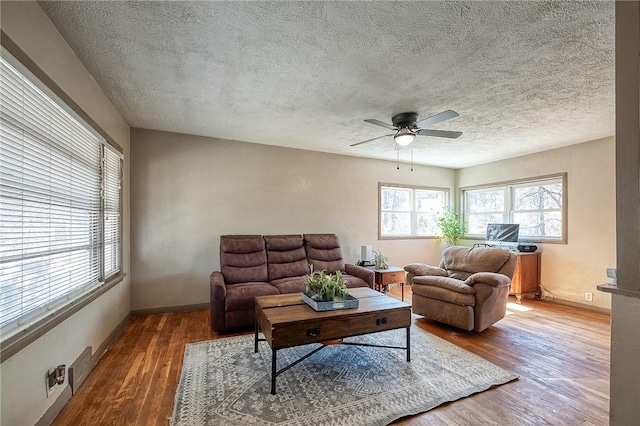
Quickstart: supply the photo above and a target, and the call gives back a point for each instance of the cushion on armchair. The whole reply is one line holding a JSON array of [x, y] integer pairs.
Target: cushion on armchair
[[444, 295], [462, 262]]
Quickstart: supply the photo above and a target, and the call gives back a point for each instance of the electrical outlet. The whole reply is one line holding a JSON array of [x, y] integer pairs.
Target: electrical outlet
[[54, 376], [47, 381], [588, 296]]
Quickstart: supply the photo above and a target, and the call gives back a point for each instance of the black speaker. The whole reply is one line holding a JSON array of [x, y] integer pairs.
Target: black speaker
[[526, 247]]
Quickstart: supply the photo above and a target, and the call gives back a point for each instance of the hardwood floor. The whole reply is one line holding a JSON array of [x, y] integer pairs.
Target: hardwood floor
[[560, 353]]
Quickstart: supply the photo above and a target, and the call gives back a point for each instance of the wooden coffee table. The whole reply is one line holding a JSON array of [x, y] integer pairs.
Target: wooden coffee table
[[286, 321]]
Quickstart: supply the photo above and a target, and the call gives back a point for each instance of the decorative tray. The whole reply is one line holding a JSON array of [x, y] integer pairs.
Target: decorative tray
[[348, 302]]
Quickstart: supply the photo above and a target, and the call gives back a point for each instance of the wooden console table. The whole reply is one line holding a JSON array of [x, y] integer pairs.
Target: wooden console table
[[391, 275], [526, 278]]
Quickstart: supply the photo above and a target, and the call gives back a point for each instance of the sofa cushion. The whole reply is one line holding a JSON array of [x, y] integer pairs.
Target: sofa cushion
[[324, 252], [241, 296], [286, 256], [289, 284], [461, 262], [243, 258]]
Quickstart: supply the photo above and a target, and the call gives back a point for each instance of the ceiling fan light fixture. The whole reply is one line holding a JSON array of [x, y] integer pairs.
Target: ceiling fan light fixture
[[404, 137]]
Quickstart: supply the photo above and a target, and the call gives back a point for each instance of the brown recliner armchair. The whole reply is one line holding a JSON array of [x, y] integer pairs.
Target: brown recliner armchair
[[468, 290]]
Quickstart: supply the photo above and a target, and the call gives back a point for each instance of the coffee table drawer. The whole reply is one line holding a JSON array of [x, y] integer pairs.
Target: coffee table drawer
[[392, 278], [318, 330]]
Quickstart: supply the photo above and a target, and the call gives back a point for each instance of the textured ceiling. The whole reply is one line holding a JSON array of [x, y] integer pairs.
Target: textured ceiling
[[524, 76]]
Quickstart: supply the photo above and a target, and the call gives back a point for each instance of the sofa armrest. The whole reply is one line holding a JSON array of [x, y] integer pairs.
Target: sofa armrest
[[361, 272], [419, 269], [489, 278], [218, 293]]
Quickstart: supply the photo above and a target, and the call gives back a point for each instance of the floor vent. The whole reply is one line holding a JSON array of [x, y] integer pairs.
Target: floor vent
[[80, 369]]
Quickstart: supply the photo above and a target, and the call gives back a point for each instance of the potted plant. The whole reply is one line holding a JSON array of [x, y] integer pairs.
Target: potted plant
[[325, 292], [325, 287], [451, 226], [380, 260]]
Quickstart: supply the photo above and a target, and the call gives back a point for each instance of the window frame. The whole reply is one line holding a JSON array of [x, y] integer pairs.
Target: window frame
[[509, 188], [51, 318], [413, 212]]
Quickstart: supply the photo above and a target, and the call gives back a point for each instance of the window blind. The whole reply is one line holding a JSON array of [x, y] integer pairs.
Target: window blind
[[112, 186], [59, 203]]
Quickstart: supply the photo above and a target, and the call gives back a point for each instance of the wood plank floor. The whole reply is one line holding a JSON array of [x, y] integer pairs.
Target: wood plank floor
[[561, 355]]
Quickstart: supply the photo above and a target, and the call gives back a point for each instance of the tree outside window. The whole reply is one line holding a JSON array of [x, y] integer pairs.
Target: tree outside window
[[537, 205], [410, 211]]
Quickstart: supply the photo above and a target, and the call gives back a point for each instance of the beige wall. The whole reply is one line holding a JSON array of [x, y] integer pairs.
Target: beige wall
[[24, 399], [568, 270], [188, 190]]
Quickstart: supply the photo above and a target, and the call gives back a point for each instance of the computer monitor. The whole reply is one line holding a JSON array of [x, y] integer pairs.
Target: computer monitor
[[503, 234]]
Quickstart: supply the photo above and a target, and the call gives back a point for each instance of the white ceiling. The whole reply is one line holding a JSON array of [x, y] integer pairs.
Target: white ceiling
[[524, 76]]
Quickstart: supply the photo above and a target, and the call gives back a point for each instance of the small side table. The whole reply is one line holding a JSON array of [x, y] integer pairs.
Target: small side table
[[391, 275]]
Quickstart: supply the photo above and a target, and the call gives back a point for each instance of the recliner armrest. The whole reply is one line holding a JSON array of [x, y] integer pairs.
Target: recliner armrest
[[444, 282], [419, 269], [490, 278], [218, 293], [361, 272]]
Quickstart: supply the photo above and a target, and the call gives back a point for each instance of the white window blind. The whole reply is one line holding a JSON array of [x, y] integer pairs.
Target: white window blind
[[59, 203], [112, 179]]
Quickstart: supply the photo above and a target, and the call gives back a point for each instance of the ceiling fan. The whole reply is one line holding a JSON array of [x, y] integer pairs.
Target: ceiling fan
[[407, 127]]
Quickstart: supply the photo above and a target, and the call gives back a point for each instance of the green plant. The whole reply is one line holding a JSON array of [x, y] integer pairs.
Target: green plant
[[451, 226], [325, 287], [380, 260]]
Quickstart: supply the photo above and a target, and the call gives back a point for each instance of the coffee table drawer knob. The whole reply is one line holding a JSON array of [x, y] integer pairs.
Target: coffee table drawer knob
[[313, 332], [381, 321]]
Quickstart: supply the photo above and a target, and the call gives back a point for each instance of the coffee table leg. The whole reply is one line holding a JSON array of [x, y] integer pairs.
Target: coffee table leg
[[256, 336], [408, 344], [273, 371]]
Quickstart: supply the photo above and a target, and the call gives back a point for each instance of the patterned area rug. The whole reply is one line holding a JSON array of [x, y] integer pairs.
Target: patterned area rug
[[224, 382]]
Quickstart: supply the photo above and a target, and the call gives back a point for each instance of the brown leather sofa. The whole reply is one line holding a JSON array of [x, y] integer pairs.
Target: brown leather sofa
[[255, 265], [468, 290]]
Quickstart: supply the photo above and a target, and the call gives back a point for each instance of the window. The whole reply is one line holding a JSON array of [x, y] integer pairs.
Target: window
[[537, 205], [410, 211], [60, 201]]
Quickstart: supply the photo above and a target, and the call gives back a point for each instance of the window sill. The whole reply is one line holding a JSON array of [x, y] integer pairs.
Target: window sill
[[406, 237], [528, 240], [16, 343]]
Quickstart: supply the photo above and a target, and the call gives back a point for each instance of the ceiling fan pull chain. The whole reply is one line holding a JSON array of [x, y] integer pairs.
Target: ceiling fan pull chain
[[398, 159], [411, 160]]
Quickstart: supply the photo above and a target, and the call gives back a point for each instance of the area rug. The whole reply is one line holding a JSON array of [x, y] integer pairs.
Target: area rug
[[223, 382]]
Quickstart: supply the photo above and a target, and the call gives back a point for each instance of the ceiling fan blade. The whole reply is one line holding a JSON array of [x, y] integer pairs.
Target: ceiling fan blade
[[370, 140], [444, 115], [380, 123], [439, 133]]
